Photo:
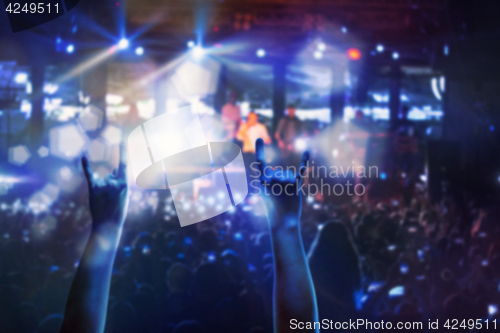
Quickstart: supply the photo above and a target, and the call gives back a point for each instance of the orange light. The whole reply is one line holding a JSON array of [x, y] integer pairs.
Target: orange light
[[354, 54]]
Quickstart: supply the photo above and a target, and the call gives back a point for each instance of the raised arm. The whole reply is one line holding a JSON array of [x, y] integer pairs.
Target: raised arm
[[88, 298], [294, 297]]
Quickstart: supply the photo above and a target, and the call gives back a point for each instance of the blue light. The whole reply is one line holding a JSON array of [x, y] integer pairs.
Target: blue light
[[180, 255], [492, 128], [238, 236], [446, 50], [383, 176], [123, 44], [190, 44], [21, 78], [70, 49], [188, 241], [261, 53], [344, 30], [380, 48], [397, 291], [395, 55], [139, 51]]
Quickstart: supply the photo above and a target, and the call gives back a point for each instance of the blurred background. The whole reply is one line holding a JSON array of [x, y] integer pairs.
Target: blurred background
[[355, 72]]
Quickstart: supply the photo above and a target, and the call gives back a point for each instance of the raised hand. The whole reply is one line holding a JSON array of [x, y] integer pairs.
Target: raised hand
[[108, 196], [88, 298], [294, 297], [281, 190]]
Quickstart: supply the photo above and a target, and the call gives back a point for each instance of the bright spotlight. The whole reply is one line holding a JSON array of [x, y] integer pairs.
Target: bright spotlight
[[190, 44], [318, 55], [21, 78], [198, 52], [395, 55], [139, 51], [321, 46], [70, 48], [300, 144], [354, 54], [380, 48], [123, 44], [261, 53], [446, 50]]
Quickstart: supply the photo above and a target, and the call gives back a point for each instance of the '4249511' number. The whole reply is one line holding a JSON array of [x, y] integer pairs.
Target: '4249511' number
[[32, 8]]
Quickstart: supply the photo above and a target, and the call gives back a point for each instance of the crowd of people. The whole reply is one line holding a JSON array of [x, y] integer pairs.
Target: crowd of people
[[376, 257]]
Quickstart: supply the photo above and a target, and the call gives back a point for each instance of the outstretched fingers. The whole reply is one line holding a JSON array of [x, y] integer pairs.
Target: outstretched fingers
[[87, 171], [261, 160], [303, 166], [122, 167]]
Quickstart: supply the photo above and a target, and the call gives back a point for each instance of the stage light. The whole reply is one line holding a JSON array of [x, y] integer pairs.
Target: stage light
[[380, 48], [123, 44], [19, 155], [397, 291], [446, 50], [492, 128], [318, 55], [139, 51], [383, 176], [112, 135], [354, 54], [43, 151], [21, 78], [194, 79], [198, 52], [65, 173], [261, 53], [70, 49], [442, 83], [492, 309], [321, 46], [66, 141], [190, 44], [395, 55], [435, 89], [39, 203], [91, 118], [68, 179], [50, 88], [344, 30], [96, 151], [114, 99], [300, 144], [146, 109]]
